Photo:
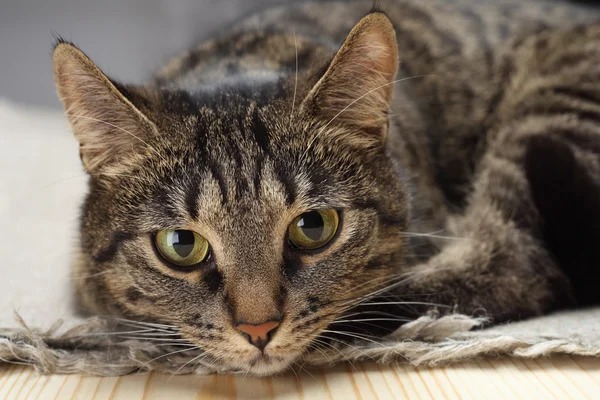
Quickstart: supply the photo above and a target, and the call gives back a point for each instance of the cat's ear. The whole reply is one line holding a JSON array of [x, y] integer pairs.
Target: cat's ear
[[358, 85], [104, 121]]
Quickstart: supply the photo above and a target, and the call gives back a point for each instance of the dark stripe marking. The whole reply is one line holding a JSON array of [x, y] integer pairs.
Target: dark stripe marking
[[291, 265], [557, 110], [317, 179], [191, 199], [133, 295], [482, 37], [579, 93], [109, 252], [258, 174], [261, 134], [213, 279], [215, 170], [287, 181], [413, 13]]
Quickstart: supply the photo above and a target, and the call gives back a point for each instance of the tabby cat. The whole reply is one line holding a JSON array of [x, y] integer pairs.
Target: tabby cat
[[322, 173]]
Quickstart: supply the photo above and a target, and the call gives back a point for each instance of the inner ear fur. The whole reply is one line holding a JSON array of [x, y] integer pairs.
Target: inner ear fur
[[357, 87], [104, 121]]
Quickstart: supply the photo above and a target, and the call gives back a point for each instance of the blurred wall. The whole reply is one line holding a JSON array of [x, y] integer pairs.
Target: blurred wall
[[128, 39]]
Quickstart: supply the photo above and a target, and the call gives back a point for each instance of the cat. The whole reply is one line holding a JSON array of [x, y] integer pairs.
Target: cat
[[322, 173]]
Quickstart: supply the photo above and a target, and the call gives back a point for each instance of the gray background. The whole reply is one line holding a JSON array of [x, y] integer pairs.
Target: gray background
[[128, 39]]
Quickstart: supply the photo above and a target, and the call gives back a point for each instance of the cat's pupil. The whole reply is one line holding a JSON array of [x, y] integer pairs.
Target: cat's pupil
[[183, 243], [312, 225]]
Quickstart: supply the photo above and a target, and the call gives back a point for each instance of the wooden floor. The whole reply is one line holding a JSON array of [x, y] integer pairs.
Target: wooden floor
[[490, 378]]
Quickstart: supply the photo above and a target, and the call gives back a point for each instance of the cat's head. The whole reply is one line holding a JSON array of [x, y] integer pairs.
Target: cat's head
[[251, 224]]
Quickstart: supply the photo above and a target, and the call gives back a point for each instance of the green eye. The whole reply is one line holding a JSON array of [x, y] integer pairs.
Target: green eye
[[182, 248], [313, 229]]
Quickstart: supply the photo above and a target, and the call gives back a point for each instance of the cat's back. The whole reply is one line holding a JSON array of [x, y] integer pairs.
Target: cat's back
[[263, 47]]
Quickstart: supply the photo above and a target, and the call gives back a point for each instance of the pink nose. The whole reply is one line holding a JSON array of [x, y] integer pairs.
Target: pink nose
[[258, 335]]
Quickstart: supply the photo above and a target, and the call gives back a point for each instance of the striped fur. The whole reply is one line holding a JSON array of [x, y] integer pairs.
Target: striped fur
[[453, 171]]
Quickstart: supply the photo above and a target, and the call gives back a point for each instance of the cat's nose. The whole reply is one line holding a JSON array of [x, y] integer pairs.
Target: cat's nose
[[258, 335]]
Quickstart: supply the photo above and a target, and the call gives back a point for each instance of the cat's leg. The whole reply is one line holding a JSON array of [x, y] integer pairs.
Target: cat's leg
[[501, 261], [497, 264]]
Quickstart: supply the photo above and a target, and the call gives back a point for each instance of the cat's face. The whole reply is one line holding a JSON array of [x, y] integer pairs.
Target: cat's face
[[249, 228]]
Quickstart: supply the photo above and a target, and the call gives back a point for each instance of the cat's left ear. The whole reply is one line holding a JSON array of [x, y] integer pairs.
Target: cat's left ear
[[104, 118], [357, 87]]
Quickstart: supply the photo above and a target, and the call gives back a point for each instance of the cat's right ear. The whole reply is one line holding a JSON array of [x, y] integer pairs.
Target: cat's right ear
[[105, 122], [357, 87]]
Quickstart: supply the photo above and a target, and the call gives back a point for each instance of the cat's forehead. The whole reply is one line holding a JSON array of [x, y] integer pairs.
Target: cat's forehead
[[217, 117], [242, 160], [228, 160]]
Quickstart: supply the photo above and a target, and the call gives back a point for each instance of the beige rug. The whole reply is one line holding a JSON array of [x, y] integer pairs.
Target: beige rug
[[41, 187]]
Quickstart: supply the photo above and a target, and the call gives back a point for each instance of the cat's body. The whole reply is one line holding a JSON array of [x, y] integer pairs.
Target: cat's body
[[457, 61], [457, 197]]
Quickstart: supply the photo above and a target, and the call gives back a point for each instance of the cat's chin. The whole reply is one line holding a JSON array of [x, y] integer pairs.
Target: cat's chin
[[264, 366], [269, 368]]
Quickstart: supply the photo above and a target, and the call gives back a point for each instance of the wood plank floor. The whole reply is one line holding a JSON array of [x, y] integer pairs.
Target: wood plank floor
[[488, 378]]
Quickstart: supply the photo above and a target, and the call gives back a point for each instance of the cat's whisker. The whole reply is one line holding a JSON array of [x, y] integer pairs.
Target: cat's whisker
[[305, 370], [317, 347], [116, 174], [404, 279], [370, 281], [119, 128], [145, 332], [383, 313], [296, 79], [344, 319], [371, 319], [359, 325], [324, 343], [431, 235], [155, 339], [158, 334], [362, 299], [436, 232], [353, 314], [161, 330], [198, 357], [85, 176], [418, 303], [86, 276], [317, 339], [247, 372], [171, 353], [407, 278], [399, 280], [343, 343], [63, 180], [354, 335], [291, 369], [301, 365], [153, 324], [387, 279]]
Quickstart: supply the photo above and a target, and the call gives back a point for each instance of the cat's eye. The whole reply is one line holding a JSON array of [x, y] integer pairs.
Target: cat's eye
[[181, 247], [313, 229]]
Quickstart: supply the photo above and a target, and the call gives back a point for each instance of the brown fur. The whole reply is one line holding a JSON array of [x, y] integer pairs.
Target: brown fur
[[236, 138]]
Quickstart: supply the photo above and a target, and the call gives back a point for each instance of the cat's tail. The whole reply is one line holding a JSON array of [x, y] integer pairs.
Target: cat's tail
[[567, 196]]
